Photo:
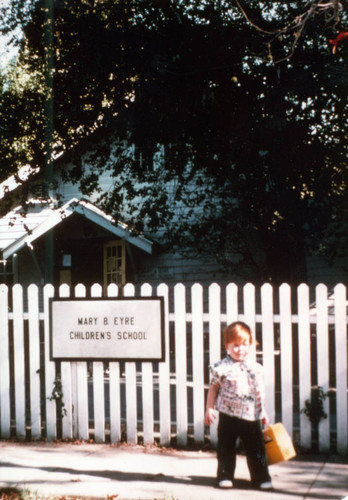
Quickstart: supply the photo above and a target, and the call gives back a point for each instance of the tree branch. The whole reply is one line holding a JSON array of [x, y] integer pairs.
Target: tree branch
[[331, 11]]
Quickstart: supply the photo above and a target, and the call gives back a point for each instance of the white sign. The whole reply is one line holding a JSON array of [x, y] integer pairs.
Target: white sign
[[122, 329]]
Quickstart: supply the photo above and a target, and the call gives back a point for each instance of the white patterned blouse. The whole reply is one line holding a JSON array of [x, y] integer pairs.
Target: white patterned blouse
[[241, 388]]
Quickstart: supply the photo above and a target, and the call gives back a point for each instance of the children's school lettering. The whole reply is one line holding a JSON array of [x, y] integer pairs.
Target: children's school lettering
[[108, 335]]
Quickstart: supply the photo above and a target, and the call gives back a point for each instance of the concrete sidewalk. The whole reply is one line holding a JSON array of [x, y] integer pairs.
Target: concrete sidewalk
[[73, 470]]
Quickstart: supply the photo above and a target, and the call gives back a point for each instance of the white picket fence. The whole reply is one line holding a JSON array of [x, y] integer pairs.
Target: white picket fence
[[302, 342]]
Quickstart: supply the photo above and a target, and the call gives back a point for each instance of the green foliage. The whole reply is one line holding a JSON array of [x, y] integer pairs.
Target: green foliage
[[260, 146], [57, 396], [314, 407]]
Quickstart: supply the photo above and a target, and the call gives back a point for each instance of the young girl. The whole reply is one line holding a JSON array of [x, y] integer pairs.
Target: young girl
[[237, 393]]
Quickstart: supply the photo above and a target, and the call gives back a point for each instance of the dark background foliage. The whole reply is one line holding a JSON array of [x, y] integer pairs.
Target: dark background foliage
[[247, 101]]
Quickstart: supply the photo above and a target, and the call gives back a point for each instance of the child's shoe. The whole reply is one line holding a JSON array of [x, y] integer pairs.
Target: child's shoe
[[225, 483], [267, 486]]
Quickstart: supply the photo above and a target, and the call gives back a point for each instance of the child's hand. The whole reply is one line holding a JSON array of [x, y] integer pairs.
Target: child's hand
[[210, 416], [265, 422]]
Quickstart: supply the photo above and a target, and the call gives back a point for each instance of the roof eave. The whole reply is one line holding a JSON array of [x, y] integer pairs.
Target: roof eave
[[91, 213]]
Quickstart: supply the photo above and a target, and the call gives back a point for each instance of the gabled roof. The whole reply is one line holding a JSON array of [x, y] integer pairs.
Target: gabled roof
[[18, 230]]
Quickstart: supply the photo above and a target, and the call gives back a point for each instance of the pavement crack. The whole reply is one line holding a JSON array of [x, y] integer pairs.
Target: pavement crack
[[314, 480]]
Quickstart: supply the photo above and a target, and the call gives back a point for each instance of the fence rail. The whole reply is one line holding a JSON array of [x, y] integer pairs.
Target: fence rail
[[301, 339]]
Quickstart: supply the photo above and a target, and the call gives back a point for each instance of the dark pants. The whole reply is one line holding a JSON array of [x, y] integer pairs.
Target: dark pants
[[229, 429]]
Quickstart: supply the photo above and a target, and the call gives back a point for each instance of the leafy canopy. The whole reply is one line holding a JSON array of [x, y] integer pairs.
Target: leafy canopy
[[243, 102]]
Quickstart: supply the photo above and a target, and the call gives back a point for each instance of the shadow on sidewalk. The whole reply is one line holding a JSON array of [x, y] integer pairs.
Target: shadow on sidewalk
[[298, 487]]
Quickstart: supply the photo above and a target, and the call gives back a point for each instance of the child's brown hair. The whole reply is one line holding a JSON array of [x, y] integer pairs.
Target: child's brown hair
[[237, 331]]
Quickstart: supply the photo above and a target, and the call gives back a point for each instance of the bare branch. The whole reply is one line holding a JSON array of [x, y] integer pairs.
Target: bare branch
[[251, 22], [331, 11]]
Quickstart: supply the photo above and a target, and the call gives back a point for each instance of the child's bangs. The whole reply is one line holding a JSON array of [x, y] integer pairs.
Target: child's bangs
[[237, 332]]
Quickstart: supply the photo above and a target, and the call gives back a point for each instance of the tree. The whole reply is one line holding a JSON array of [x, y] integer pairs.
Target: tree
[[261, 141]]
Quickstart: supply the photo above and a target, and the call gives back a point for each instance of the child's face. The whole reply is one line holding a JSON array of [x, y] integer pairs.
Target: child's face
[[238, 349]]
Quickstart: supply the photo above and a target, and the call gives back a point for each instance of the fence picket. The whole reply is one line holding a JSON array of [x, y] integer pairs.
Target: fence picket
[[197, 362], [19, 360], [66, 380], [34, 361], [268, 355], [304, 353], [164, 375], [115, 402], [82, 400], [98, 402], [98, 387], [147, 388], [341, 366], [250, 313], [114, 387], [50, 371], [214, 340], [323, 362], [180, 363], [131, 388], [231, 303], [80, 385], [286, 372], [5, 413]]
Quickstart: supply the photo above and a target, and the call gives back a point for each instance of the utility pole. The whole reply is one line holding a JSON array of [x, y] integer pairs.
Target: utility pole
[[49, 58]]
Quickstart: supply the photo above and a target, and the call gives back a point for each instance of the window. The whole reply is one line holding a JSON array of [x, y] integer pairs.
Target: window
[[65, 272], [114, 263]]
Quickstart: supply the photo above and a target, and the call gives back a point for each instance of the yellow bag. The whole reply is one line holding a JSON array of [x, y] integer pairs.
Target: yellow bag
[[278, 444]]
